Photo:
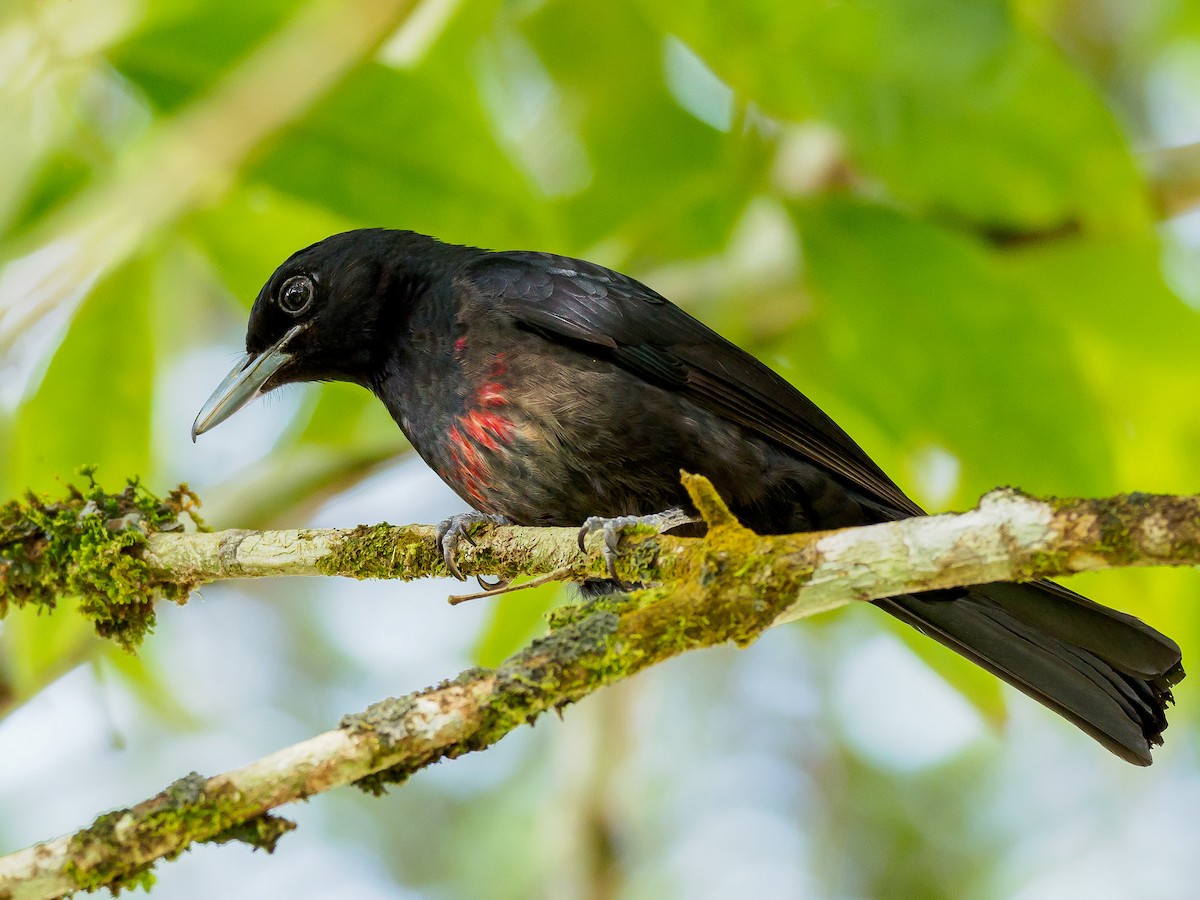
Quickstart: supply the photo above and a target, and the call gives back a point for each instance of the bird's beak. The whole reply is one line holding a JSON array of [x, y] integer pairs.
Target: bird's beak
[[243, 384]]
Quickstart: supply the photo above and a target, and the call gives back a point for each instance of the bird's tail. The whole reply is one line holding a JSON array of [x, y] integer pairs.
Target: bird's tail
[[1105, 671]]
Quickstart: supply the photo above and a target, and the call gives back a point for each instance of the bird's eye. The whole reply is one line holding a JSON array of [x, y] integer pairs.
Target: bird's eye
[[296, 294]]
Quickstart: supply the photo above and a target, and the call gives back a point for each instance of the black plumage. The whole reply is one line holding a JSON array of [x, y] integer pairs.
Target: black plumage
[[547, 390]]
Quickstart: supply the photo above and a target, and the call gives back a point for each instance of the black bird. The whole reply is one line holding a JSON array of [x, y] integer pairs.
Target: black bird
[[551, 391]]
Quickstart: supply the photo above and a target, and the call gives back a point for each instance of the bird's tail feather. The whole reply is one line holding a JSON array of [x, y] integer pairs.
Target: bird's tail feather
[[1107, 672]]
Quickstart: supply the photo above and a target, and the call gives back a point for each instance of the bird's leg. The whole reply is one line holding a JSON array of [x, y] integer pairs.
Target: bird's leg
[[452, 530], [611, 528]]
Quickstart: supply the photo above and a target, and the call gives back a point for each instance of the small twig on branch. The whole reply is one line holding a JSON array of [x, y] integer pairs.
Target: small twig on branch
[[507, 587], [730, 585]]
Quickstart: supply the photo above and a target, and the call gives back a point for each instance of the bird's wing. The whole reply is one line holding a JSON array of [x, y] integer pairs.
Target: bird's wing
[[576, 302]]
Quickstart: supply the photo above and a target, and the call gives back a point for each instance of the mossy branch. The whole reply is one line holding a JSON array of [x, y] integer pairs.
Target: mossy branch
[[117, 552], [87, 545], [730, 585]]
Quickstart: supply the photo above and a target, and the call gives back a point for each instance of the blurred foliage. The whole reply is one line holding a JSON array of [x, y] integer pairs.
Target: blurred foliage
[[929, 215]]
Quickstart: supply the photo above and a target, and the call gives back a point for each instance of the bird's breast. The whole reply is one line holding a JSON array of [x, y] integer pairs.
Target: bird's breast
[[543, 434], [473, 446], [462, 424]]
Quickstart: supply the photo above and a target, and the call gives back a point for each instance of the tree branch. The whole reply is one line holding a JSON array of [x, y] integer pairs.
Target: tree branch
[[1009, 537], [730, 585]]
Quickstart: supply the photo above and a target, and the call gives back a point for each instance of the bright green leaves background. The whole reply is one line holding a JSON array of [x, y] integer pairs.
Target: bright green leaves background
[[953, 106], [930, 215]]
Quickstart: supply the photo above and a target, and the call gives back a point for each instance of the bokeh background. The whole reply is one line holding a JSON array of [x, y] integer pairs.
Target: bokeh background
[[963, 228]]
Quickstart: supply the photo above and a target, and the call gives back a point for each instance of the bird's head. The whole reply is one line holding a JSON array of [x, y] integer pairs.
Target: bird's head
[[325, 314]]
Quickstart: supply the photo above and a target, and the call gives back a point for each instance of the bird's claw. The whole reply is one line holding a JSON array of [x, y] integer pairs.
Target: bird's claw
[[499, 584], [612, 528], [454, 529]]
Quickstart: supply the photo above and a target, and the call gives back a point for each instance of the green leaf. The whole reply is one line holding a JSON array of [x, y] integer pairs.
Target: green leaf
[[253, 229], [38, 649], [93, 404], [402, 149], [346, 415], [515, 618], [955, 107], [61, 175], [924, 339], [662, 180], [1113, 291], [182, 47]]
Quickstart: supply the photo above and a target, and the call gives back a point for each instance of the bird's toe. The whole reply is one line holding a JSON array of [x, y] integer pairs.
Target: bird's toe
[[612, 528], [451, 531]]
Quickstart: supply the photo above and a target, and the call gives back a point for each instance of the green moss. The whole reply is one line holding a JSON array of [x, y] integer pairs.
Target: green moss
[[1115, 527], [189, 810], [142, 877], [406, 552], [1045, 563], [639, 561], [708, 502], [261, 833], [550, 673], [138, 877], [1112, 521], [560, 617], [82, 546], [381, 551]]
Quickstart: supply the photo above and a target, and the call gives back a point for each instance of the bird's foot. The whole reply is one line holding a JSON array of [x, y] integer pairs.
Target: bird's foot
[[454, 529], [611, 528]]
